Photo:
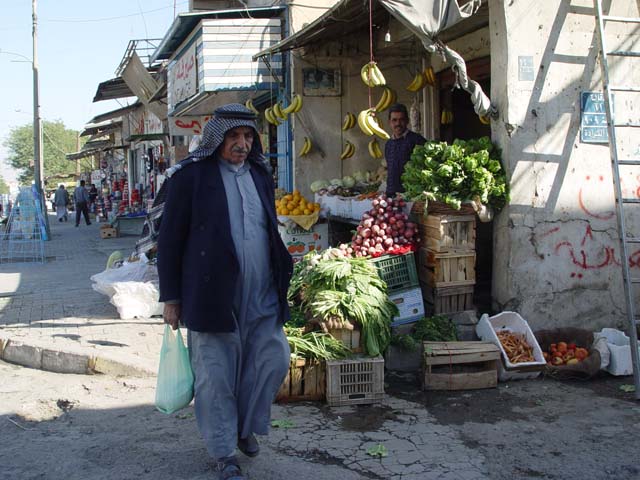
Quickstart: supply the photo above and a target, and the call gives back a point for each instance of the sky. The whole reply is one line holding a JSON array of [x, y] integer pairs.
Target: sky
[[80, 44]]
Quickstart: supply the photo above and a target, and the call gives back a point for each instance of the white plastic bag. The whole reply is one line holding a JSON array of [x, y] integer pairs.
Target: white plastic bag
[[136, 299], [174, 387]]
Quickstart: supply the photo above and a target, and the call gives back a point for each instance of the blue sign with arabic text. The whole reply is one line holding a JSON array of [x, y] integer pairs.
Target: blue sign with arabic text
[[593, 118]]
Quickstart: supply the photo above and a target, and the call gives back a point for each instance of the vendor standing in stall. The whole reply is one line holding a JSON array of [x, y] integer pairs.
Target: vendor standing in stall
[[224, 273], [397, 150]]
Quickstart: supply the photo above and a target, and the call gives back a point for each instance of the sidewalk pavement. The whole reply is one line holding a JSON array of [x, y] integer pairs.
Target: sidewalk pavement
[[51, 318]]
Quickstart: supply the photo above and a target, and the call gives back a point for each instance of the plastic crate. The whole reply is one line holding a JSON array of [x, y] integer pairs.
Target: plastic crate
[[342, 207], [355, 381], [398, 271]]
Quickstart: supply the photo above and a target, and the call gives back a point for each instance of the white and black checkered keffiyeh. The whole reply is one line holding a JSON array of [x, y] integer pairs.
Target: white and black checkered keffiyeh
[[224, 119]]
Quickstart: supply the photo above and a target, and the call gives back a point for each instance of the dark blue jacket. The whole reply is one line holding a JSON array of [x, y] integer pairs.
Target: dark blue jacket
[[197, 262], [398, 151]]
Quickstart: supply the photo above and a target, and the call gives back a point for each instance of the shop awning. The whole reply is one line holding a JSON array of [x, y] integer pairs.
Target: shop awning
[[117, 88], [145, 137], [94, 147], [101, 128], [184, 24]]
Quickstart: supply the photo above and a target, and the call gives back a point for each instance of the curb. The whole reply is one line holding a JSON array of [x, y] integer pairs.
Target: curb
[[66, 362]]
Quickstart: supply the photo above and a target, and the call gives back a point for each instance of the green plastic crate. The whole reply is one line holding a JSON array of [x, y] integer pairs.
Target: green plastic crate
[[398, 271]]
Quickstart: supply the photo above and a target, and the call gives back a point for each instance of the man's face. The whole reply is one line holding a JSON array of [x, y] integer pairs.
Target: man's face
[[398, 122], [237, 144]]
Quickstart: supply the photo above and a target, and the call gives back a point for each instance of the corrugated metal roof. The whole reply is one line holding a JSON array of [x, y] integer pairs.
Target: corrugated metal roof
[[103, 127], [184, 24]]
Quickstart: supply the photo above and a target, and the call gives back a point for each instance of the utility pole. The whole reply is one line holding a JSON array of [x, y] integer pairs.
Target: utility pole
[[37, 122]]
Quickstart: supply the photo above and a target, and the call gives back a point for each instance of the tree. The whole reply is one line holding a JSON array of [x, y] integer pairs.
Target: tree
[[57, 141], [4, 188]]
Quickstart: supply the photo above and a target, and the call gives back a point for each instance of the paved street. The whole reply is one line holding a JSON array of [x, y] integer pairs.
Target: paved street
[[55, 426], [53, 306]]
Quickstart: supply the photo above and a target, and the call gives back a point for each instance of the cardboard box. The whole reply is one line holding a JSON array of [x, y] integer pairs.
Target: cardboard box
[[107, 231], [299, 241], [410, 304]]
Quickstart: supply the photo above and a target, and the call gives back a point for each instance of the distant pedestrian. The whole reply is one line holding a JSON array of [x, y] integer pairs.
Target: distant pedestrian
[[81, 197], [93, 194], [60, 202]]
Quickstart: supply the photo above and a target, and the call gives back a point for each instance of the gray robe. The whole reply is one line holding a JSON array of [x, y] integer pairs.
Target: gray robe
[[238, 374]]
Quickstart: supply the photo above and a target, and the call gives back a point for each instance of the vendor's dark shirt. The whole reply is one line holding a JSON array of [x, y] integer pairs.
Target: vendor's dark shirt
[[397, 152]]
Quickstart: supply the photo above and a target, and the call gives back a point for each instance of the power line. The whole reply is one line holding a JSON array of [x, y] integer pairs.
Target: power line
[[105, 19]]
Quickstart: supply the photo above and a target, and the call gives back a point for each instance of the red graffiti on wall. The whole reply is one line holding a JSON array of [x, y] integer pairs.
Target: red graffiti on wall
[[609, 214]]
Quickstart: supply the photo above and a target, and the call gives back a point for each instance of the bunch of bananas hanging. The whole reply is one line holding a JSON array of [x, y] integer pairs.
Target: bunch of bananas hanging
[[250, 106], [271, 117], [277, 113], [306, 147], [374, 149], [422, 79], [388, 98], [348, 150], [370, 124], [446, 117], [295, 105], [348, 122], [371, 75]]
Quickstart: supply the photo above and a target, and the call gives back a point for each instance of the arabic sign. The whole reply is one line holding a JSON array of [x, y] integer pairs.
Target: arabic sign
[[183, 77], [187, 126], [593, 118], [145, 122]]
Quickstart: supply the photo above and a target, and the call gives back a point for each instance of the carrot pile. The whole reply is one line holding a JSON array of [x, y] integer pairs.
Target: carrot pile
[[516, 347]]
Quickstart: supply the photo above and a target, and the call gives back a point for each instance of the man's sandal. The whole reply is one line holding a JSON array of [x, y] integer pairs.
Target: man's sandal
[[249, 446], [228, 469]]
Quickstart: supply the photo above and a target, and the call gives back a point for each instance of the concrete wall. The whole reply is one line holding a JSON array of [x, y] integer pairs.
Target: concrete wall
[[556, 256]]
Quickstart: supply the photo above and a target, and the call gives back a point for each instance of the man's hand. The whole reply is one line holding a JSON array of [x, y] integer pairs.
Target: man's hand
[[171, 314]]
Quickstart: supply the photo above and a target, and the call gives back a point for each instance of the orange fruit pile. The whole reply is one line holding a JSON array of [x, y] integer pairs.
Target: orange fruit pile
[[295, 204]]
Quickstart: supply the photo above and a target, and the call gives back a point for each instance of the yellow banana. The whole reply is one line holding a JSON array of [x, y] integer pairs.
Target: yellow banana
[[373, 123], [277, 110], [348, 150], [384, 102], [363, 124], [485, 120], [268, 114], [249, 105], [374, 149], [417, 83], [377, 149], [371, 75], [306, 147], [298, 101], [294, 106], [430, 76], [349, 121]]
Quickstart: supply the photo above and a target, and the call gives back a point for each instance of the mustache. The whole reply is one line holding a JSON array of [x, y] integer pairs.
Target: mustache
[[240, 150]]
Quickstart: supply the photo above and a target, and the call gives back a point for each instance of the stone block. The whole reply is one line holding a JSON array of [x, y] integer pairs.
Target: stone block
[[63, 362], [21, 354], [468, 317]]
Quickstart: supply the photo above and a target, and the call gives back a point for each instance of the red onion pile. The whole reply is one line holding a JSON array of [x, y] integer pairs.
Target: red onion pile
[[383, 229]]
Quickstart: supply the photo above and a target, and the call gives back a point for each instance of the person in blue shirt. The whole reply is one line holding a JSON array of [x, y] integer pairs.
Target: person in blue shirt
[[397, 150]]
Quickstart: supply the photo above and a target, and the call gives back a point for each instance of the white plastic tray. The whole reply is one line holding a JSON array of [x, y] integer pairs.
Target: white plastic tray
[[511, 321]]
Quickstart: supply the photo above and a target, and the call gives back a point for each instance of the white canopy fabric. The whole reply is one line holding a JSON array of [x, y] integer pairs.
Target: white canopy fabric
[[426, 19]]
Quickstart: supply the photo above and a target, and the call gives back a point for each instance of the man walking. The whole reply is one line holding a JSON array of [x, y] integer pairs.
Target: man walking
[[398, 149], [82, 201], [60, 201], [224, 273]]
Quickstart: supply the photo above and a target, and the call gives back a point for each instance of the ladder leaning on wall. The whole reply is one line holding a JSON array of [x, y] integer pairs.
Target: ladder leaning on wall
[[616, 162]]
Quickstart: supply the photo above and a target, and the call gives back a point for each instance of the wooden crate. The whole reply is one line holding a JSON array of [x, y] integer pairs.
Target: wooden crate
[[448, 299], [448, 233], [447, 269], [355, 381], [108, 232], [306, 380], [460, 365], [349, 338]]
